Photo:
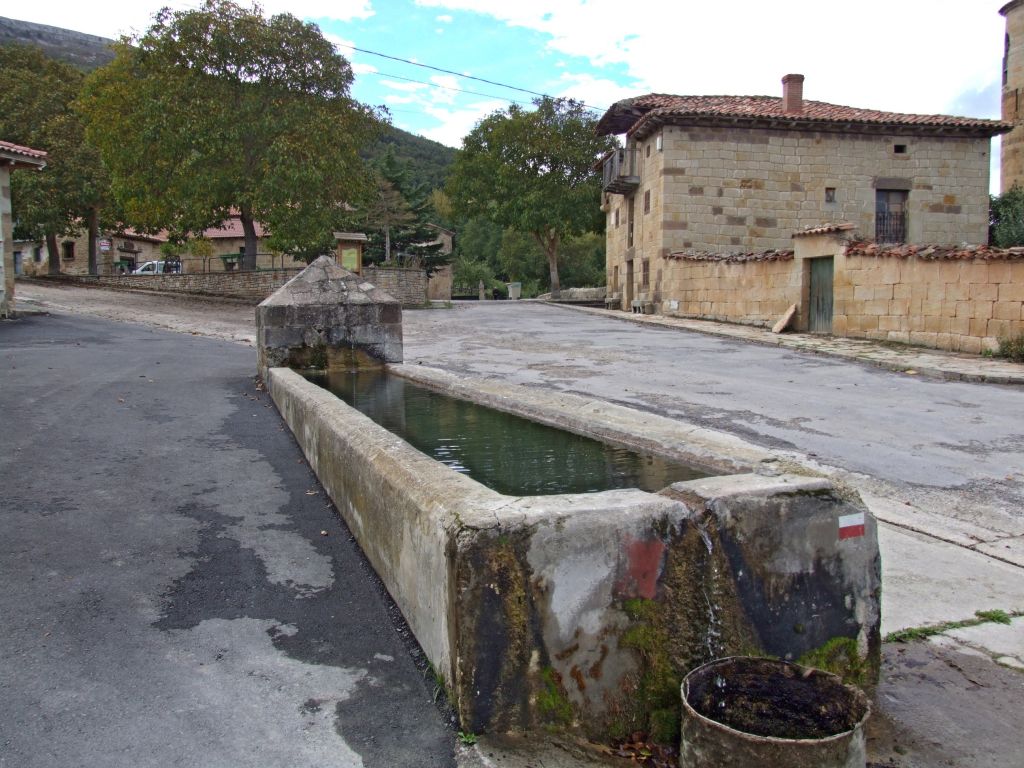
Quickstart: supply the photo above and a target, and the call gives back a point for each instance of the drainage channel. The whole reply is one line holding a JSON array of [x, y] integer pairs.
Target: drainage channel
[[507, 453]]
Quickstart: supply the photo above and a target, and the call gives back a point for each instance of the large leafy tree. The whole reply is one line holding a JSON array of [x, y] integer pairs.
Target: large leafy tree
[[400, 215], [221, 110], [1006, 218], [36, 98], [533, 171]]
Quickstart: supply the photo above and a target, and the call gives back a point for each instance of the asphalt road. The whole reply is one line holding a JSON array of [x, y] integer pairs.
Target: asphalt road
[[918, 436], [168, 598]]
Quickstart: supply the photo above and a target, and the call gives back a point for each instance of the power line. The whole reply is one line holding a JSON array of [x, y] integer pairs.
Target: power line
[[445, 87], [459, 74]]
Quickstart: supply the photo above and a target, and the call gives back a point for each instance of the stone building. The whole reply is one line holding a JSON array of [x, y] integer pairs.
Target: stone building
[[1012, 158], [851, 221], [12, 157]]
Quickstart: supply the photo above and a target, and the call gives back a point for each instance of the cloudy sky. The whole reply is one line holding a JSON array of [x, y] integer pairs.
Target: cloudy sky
[[900, 55]]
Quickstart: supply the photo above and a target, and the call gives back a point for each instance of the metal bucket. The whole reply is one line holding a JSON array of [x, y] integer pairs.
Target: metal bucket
[[743, 712]]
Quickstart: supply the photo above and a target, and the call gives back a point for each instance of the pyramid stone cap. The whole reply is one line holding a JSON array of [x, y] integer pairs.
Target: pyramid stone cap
[[325, 282]]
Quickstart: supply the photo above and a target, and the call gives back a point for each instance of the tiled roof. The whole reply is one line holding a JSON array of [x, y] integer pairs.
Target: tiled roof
[[633, 115], [826, 229], [33, 156], [230, 228], [732, 258], [934, 252]]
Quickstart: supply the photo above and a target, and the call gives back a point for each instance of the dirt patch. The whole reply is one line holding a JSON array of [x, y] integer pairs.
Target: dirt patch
[[770, 698]]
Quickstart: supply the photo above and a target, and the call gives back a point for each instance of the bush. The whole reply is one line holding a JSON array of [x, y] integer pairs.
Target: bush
[[1012, 347]]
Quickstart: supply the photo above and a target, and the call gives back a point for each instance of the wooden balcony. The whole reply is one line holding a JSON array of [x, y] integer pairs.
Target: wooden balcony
[[620, 174]]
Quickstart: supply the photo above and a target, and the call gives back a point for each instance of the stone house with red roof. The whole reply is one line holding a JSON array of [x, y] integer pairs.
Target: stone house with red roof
[[706, 195], [12, 157]]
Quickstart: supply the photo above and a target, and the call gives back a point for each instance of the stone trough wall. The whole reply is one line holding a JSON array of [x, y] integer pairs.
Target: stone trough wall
[[586, 610]]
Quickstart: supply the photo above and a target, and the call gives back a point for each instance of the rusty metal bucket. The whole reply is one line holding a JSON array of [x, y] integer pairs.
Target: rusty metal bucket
[[743, 712]]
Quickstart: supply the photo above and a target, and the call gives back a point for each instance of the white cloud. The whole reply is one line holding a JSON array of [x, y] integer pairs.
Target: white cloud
[[442, 95], [595, 92], [456, 123], [113, 18], [445, 19], [911, 55], [403, 86]]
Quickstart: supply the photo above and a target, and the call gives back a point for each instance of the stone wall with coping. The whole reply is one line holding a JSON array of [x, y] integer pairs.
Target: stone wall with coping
[[747, 291], [557, 611], [409, 286], [956, 298], [961, 304], [250, 286]]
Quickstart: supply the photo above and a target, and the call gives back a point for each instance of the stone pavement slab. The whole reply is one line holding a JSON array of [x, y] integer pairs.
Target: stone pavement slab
[[926, 581], [903, 358], [1002, 642]]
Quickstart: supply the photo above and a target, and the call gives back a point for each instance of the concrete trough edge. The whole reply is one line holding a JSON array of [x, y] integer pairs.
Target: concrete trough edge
[[714, 451], [447, 547]]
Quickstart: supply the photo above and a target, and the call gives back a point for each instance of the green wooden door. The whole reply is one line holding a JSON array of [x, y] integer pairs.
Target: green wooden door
[[820, 318]]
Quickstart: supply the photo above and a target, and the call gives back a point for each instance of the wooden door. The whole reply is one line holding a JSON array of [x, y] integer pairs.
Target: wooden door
[[820, 316]]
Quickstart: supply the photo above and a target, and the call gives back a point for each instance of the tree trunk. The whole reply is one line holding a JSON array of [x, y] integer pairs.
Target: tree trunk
[[549, 244], [94, 234], [249, 228], [387, 245], [52, 254]]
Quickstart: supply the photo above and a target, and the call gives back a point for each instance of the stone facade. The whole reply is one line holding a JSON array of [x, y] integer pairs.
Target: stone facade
[[1012, 158], [734, 189]]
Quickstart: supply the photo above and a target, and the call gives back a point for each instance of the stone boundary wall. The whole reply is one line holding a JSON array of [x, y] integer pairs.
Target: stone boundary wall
[[751, 292], [250, 286], [960, 304], [409, 286], [957, 298]]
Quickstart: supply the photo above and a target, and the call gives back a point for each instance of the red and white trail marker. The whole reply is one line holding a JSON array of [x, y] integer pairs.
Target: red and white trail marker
[[851, 526]]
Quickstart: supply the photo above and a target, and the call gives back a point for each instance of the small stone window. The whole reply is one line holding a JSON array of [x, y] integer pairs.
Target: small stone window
[[647, 201], [616, 218], [647, 151], [830, 194], [68, 250], [645, 274], [899, 149]]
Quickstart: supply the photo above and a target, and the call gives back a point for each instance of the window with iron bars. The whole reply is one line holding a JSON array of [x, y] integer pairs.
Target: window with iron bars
[[890, 215]]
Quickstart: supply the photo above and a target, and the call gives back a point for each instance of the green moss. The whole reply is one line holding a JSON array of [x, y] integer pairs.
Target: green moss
[[552, 701], [656, 695], [982, 617], [840, 656]]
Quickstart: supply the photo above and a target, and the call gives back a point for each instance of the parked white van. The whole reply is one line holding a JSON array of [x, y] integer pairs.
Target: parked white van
[[159, 267]]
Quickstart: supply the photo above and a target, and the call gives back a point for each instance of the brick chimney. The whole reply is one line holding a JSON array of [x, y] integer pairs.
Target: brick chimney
[[793, 94]]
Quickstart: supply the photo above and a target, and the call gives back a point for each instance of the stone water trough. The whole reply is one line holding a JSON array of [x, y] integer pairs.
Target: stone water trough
[[582, 610]]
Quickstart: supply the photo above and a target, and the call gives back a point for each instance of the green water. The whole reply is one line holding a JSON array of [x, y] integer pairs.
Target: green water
[[507, 453]]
